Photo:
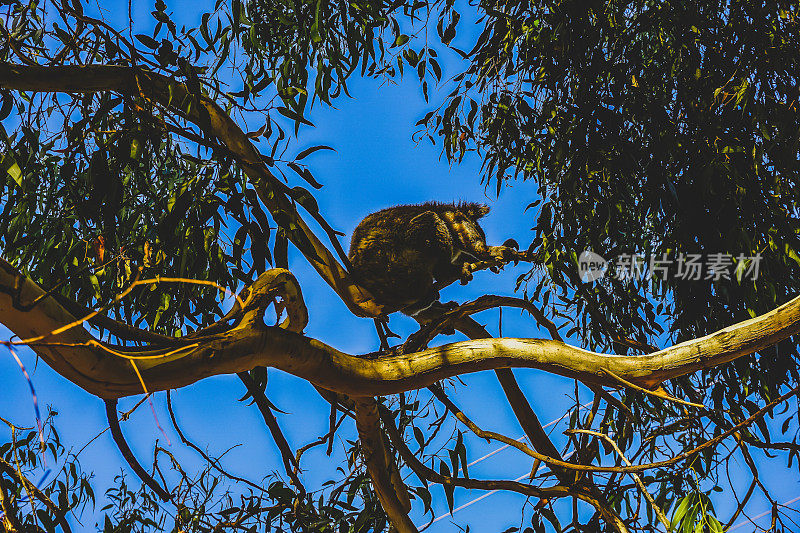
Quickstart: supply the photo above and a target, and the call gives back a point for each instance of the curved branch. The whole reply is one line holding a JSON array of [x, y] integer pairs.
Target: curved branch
[[119, 439], [428, 474], [82, 359], [212, 462], [212, 119], [482, 433]]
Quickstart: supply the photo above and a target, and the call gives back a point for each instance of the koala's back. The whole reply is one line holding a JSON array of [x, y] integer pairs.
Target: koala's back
[[398, 252], [388, 261]]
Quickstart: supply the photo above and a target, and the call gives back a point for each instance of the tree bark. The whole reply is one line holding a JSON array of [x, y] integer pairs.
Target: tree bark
[[77, 356]]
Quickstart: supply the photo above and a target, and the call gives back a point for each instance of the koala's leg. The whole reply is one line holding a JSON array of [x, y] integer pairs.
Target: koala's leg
[[466, 272], [422, 304], [430, 309]]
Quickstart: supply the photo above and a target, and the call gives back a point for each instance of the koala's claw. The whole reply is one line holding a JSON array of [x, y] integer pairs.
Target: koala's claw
[[466, 273]]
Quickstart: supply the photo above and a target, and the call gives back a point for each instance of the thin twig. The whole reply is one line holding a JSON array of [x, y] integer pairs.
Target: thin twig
[[662, 396], [213, 462], [558, 491], [322, 440], [661, 516]]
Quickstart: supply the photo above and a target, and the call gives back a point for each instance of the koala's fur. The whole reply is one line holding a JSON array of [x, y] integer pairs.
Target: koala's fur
[[399, 253]]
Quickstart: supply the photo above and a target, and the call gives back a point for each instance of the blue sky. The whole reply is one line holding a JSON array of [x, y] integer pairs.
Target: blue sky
[[376, 164]]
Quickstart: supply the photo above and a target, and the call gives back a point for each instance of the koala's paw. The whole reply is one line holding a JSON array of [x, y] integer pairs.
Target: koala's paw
[[466, 273], [505, 253]]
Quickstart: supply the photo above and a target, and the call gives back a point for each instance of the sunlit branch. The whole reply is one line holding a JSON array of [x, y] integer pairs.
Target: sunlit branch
[[660, 513], [381, 467]]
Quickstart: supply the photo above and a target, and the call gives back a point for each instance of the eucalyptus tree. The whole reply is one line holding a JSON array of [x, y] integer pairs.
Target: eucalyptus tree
[[662, 135]]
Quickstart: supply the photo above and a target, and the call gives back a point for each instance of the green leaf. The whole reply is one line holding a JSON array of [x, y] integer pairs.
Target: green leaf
[[400, 40], [419, 437], [305, 198], [311, 150], [680, 511], [8, 102], [461, 450], [437, 70], [135, 148], [15, 172], [294, 116], [146, 40], [425, 495], [551, 517], [305, 174], [448, 489], [281, 249]]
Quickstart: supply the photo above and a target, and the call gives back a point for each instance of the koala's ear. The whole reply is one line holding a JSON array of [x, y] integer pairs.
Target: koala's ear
[[475, 211]]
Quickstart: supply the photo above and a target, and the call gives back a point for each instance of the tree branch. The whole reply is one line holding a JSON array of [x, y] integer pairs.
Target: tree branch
[[217, 124], [659, 513], [119, 439], [212, 462], [9, 518], [16, 475], [76, 355], [381, 467], [289, 462], [428, 474]]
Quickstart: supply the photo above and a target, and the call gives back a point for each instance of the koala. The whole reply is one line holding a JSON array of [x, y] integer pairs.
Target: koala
[[403, 254]]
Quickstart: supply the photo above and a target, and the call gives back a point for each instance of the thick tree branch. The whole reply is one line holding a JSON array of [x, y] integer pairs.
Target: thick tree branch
[[82, 359], [525, 414], [519, 403], [216, 124]]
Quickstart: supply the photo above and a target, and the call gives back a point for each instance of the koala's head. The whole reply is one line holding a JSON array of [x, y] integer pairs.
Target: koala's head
[[462, 220], [472, 210]]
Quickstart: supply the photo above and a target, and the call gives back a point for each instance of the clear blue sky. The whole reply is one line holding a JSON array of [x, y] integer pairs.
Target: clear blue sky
[[376, 164]]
